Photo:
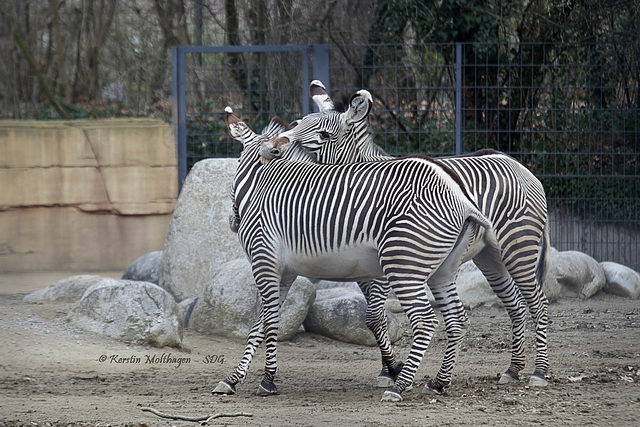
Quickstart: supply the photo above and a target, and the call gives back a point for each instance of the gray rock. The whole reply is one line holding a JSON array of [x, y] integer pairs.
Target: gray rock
[[199, 240], [393, 304], [621, 280], [573, 274], [328, 284], [70, 289], [339, 313], [229, 305], [129, 311], [144, 268], [473, 288]]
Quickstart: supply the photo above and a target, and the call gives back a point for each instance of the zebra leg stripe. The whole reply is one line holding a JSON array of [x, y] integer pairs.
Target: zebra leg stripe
[[255, 338], [423, 321], [502, 284], [376, 293], [456, 324]]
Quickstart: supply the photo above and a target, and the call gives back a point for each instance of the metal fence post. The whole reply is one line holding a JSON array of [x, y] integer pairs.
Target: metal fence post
[[321, 64], [305, 80], [458, 99], [178, 109]]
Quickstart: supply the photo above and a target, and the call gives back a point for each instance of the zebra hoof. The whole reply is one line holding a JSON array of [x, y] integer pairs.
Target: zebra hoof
[[508, 377], [384, 381], [391, 395], [266, 388], [538, 380], [431, 387], [224, 387]]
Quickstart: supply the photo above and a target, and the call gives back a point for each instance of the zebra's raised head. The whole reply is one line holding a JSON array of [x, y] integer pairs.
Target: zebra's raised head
[[256, 147], [329, 132]]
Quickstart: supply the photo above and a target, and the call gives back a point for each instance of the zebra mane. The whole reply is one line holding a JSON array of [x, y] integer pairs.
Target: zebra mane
[[275, 127], [341, 103]]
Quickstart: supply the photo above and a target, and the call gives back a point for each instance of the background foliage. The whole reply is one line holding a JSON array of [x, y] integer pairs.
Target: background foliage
[[106, 58]]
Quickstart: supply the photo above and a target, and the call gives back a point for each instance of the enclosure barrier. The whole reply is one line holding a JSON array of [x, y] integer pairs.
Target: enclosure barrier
[[568, 112]]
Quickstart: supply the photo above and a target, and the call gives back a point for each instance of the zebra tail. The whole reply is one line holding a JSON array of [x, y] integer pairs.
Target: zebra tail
[[543, 258], [480, 218]]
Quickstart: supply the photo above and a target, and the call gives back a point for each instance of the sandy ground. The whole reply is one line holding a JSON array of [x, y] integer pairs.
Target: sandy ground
[[54, 374]]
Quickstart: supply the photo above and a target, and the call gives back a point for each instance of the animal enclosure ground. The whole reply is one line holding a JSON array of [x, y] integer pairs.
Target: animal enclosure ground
[[53, 373]]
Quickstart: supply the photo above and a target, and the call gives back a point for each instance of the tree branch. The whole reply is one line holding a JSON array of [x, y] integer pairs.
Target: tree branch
[[60, 108], [205, 418]]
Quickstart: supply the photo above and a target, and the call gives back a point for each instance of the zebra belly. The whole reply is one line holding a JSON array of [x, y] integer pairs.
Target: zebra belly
[[344, 265]]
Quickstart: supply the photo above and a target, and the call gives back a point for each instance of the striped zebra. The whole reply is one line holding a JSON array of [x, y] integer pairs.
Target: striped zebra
[[408, 220], [505, 191]]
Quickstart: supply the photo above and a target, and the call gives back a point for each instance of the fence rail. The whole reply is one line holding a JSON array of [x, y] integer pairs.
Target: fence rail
[[568, 112]]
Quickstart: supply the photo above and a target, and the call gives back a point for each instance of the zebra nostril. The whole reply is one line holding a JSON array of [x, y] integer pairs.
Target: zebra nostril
[[275, 152]]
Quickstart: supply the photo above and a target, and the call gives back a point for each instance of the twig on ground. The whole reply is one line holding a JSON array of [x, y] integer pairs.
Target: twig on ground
[[205, 418]]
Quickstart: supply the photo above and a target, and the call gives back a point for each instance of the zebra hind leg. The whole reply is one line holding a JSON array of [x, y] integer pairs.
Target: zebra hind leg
[[423, 322], [536, 301], [456, 324], [443, 286], [503, 285], [538, 307], [376, 293]]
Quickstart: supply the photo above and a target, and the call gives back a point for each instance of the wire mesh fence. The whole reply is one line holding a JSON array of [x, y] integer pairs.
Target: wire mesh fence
[[568, 112]]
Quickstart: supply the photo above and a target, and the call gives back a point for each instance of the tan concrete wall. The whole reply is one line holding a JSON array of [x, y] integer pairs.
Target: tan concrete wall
[[84, 195]]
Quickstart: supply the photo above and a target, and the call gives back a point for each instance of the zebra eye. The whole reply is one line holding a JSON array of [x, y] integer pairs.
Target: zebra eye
[[324, 134]]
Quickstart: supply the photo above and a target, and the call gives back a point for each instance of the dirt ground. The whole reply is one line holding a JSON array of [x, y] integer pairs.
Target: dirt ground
[[54, 374]]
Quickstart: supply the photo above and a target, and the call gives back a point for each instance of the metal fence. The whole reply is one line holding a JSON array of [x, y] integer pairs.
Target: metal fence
[[569, 112]]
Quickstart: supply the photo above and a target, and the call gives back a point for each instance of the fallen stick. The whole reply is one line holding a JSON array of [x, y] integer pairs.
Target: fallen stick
[[205, 418]]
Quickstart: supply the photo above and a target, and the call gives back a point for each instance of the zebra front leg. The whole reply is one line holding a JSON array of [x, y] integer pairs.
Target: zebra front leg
[[376, 293], [270, 303], [256, 336]]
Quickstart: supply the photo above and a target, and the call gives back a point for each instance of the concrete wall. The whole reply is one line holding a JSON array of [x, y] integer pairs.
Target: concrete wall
[[84, 195]]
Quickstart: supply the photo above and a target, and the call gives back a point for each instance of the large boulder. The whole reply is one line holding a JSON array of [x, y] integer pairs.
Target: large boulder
[[70, 289], [144, 268], [229, 305], [573, 274], [473, 288], [621, 280], [199, 240], [340, 313], [129, 311]]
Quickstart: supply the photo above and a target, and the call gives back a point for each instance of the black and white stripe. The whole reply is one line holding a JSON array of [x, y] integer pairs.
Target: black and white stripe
[[505, 191], [406, 220]]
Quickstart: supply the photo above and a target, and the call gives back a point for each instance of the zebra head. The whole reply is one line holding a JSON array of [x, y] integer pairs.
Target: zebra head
[[329, 134], [255, 146]]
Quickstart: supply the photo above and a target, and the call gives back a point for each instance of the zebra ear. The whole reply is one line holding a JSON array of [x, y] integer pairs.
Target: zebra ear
[[237, 128], [318, 92], [360, 106]]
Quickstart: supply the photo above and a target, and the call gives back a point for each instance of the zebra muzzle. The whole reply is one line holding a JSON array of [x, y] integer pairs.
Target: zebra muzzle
[[269, 153]]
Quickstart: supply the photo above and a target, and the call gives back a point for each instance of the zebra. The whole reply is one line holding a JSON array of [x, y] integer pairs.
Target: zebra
[[505, 191], [407, 219]]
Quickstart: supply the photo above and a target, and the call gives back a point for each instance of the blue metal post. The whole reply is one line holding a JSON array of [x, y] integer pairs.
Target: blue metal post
[[321, 64], [179, 108]]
